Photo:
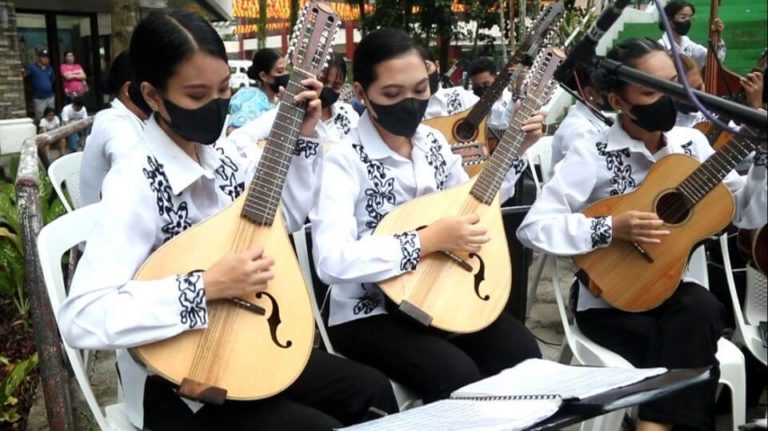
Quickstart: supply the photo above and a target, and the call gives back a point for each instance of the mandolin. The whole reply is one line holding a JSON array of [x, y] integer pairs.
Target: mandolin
[[693, 203], [470, 125], [473, 155], [753, 245], [256, 346], [461, 292]]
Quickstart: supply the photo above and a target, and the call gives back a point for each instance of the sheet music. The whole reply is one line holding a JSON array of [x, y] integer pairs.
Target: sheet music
[[541, 377], [466, 415]]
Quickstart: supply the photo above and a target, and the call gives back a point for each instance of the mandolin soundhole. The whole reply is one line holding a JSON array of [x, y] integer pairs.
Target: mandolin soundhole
[[672, 207], [465, 131]]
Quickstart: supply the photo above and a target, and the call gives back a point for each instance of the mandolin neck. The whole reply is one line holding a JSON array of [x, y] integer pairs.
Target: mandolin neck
[[712, 172], [266, 188], [490, 179]]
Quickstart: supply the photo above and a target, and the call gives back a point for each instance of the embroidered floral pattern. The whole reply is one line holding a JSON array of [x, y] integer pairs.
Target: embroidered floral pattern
[[342, 122], [176, 216], [601, 232], [231, 186], [622, 179], [305, 147], [382, 191], [453, 103], [367, 303], [519, 164], [761, 157], [411, 252], [687, 148], [437, 161], [192, 299]]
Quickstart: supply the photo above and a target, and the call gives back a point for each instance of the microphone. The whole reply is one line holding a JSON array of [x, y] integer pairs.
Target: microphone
[[584, 51]]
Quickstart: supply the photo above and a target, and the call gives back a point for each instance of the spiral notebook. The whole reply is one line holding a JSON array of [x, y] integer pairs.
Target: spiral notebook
[[514, 399]]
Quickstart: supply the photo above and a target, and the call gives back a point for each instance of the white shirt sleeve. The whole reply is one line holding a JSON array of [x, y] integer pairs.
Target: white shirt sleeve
[[246, 138], [501, 111], [341, 255], [105, 308], [65, 112], [301, 182], [555, 224]]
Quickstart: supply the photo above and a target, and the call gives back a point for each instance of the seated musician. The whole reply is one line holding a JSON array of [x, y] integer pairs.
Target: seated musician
[[388, 160], [337, 118], [684, 330], [680, 14], [482, 75], [185, 174], [581, 123]]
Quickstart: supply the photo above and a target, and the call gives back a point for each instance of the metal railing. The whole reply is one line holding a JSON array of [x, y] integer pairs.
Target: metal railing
[[54, 374]]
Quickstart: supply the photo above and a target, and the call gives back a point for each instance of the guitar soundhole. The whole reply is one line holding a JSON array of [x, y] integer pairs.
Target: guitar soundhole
[[465, 131], [672, 207]]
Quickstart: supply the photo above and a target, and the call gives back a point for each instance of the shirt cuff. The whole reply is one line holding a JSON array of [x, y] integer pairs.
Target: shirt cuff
[[193, 312], [761, 158], [601, 231], [306, 147], [410, 248]]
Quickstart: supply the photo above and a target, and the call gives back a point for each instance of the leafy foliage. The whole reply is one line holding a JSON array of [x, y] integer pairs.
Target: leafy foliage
[[14, 376]]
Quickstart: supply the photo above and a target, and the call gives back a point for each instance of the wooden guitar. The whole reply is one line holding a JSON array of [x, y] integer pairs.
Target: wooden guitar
[[753, 244], [473, 155], [255, 346], [462, 292], [470, 125], [717, 79], [694, 204]]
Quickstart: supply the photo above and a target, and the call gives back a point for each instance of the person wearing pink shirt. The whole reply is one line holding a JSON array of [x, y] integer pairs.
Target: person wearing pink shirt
[[73, 76]]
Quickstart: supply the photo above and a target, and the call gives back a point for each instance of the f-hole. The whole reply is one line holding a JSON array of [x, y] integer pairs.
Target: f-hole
[[464, 130], [672, 207]]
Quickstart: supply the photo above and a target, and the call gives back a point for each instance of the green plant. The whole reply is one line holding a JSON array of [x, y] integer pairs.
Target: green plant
[[11, 247], [14, 375]]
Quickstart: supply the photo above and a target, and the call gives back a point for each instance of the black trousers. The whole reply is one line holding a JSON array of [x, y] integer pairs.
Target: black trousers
[[680, 333], [330, 392], [431, 362]]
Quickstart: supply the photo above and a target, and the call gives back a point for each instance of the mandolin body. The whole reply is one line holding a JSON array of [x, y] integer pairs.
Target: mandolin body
[[251, 356], [457, 131], [624, 277], [446, 295]]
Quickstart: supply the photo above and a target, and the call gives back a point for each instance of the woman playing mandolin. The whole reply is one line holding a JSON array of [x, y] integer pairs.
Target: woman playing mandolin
[[183, 174], [683, 331]]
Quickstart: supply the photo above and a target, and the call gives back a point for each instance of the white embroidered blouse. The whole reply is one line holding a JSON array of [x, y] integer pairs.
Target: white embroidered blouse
[[361, 180], [579, 125], [693, 49], [450, 101], [615, 164], [147, 199]]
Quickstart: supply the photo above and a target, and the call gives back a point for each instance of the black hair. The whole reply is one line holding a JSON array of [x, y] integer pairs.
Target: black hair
[[337, 61], [120, 73], [69, 51], [263, 61], [481, 65], [377, 47], [627, 52], [78, 101], [673, 8], [48, 110], [164, 39], [427, 53]]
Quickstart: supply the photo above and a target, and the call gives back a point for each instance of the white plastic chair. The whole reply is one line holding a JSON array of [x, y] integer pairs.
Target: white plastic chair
[[747, 332], [405, 398], [540, 153], [54, 241], [587, 352], [66, 170]]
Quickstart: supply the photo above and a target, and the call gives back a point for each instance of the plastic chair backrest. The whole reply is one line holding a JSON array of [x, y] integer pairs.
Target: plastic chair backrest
[[54, 241], [66, 170], [541, 153], [697, 266], [756, 301]]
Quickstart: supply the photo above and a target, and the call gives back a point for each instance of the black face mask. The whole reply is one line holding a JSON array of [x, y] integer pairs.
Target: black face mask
[[685, 107], [479, 91], [279, 81], [681, 27], [135, 95], [328, 96], [659, 116], [401, 118], [202, 125], [434, 82]]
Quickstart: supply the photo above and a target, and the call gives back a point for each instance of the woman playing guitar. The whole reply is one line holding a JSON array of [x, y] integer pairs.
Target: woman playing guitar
[[183, 173], [683, 331], [388, 160]]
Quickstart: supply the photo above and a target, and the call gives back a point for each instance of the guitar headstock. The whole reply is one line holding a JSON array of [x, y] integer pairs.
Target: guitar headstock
[[540, 81], [312, 38]]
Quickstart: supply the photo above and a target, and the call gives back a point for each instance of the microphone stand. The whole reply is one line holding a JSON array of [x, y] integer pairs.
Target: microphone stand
[[739, 113]]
